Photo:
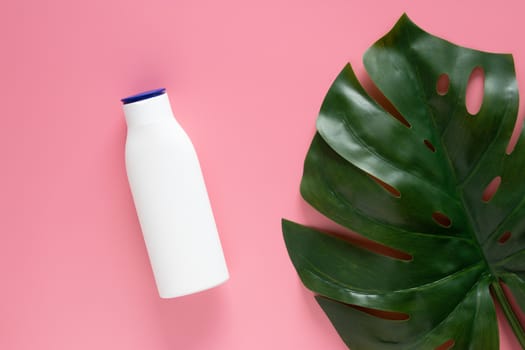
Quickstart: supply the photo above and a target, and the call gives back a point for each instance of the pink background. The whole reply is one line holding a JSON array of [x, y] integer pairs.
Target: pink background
[[246, 81]]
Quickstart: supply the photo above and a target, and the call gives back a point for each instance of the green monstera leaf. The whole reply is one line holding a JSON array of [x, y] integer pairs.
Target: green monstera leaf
[[417, 186]]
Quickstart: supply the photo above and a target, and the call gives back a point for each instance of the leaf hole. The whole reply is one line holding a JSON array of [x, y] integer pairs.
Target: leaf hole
[[375, 247], [381, 99], [491, 189], [386, 315], [429, 145], [504, 237], [474, 93], [449, 344], [442, 85], [441, 219], [518, 126], [390, 189]]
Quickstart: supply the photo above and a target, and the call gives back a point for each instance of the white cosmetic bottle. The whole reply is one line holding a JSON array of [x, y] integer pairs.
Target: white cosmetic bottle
[[171, 198]]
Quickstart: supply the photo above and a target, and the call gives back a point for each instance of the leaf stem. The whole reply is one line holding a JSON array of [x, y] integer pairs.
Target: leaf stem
[[509, 313]]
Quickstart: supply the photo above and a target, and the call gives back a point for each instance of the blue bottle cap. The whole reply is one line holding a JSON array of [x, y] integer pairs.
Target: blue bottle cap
[[143, 95]]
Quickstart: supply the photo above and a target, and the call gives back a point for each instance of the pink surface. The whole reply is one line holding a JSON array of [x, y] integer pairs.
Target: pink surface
[[246, 81]]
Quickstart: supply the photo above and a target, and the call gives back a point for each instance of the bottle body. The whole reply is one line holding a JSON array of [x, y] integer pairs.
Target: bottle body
[[171, 201]]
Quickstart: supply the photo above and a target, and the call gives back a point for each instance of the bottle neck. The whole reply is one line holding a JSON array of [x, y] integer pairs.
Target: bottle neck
[[152, 110]]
